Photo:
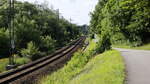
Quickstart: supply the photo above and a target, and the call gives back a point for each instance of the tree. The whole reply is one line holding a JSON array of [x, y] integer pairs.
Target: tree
[[38, 24], [4, 43], [126, 20]]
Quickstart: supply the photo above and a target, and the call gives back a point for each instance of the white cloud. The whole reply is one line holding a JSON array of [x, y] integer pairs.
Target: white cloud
[[77, 10]]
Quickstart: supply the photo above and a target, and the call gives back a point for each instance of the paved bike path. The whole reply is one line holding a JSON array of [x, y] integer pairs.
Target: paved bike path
[[137, 65]]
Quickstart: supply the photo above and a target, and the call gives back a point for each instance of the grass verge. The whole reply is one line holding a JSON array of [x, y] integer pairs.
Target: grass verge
[[19, 61], [107, 68], [144, 47]]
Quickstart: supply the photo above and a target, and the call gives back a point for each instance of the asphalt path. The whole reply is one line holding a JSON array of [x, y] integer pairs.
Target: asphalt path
[[137, 65]]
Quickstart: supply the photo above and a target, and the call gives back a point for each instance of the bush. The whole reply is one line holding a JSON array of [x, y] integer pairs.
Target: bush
[[47, 44], [119, 38], [31, 52], [103, 44]]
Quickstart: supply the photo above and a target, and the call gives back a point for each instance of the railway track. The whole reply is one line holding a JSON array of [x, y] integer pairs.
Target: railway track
[[8, 77]]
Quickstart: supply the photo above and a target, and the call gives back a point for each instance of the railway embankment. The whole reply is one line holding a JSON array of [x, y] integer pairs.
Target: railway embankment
[[86, 67]]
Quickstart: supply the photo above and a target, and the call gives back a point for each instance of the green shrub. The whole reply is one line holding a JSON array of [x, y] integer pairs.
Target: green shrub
[[31, 52], [103, 44], [47, 44], [119, 38]]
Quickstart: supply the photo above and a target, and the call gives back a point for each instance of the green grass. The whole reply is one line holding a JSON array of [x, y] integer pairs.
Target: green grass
[[3, 63], [22, 60], [19, 61], [107, 68], [144, 47]]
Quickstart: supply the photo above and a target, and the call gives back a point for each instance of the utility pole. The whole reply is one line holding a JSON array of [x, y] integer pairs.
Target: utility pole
[[58, 15], [72, 28], [70, 22], [11, 34]]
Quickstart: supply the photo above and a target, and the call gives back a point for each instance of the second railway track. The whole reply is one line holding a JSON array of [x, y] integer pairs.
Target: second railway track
[[16, 74]]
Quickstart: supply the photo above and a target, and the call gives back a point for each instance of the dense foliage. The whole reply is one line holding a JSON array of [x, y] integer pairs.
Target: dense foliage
[[123, 21], [37, 28]]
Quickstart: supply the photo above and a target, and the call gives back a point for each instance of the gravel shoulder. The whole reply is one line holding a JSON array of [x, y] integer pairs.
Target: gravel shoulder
[[137, 65]]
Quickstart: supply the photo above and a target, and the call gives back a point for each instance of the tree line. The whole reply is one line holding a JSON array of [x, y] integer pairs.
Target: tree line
[[39, 30], [121, 22]]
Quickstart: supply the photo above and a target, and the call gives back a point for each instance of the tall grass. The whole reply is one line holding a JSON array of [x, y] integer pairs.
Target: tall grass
[[106, 68]]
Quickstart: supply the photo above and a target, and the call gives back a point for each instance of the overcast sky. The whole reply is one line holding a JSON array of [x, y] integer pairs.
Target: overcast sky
[[77, 10]]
